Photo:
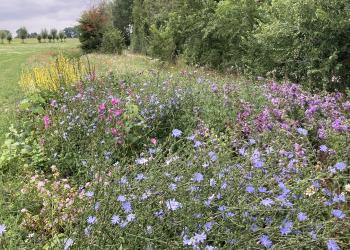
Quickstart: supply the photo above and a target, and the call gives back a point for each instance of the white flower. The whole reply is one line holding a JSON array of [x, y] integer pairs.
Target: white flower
[[2, 229]]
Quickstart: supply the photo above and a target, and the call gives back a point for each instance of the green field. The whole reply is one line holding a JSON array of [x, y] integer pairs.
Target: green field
[[15, 56]]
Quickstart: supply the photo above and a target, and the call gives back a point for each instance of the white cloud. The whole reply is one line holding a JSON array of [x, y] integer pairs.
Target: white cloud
[[38, 14]]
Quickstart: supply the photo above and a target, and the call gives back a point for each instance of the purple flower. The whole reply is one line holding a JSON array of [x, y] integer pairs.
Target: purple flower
[[121, 198], [286, 227], [173, 204], [176, 133], [140, 177], [197, 177], [302, 216], [130, 217], [89, 194], [115, 219], [341, 166], [2, 229], [209, 225], [332, 245], [250, 189], [302, 131], [159, 213], [323, 148], [172, 186], [91, 220], [68, 243], [267, 202], [338, 213], [212, 182], [141, 161], [262, 189], [126, 205], [265, 241], [213, 156], [199, 238]]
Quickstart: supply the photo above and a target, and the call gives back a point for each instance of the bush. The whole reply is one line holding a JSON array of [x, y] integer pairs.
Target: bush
[[112, 41], [92, 24], [306, 41]]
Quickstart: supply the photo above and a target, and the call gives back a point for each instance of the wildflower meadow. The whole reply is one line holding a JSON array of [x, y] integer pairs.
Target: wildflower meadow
[[182, 124], [160, 160]]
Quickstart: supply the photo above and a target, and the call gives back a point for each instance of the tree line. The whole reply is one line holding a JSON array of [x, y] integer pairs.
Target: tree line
[[43, 36], [300, 40]]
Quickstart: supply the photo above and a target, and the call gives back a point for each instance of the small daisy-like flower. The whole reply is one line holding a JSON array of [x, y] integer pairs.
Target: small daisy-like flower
[[140, 177], [213, 156], [176, 133], [332, 245], [323, 148], [302, 131], [126, 206], [173, 204], [338, 213], [89, 194], [121, 198], [341, 166], [68, 243], [141, 161], [91, 220], [302, 216], [199, 238], [115, 219], [286, 228], [265, 241], [2, 229], [130, 217], [197, 177], [250, 189]]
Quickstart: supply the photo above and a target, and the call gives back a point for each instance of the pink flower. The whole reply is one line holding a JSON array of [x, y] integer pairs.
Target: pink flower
[[115, 101], [101, 107], [154, 141], [114, 131], [118, 112], [47, 121]]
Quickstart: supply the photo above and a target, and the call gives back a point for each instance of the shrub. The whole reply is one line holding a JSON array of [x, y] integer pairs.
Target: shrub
[[161, 44], [112, 41], [306, 41], [92, 24]]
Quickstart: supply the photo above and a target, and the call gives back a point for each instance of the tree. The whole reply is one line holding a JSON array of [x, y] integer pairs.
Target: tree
[[71, 32], [50, 38], [2, 36], [113, 41], [53, 33], [9, 37], [92, 24], [39, 38], [122, 17], [61, 35], [44, 34], [22, 33]]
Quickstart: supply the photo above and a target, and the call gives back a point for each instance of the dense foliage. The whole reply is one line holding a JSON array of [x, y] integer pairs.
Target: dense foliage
[[302, 41], [92, 24], [112, 41]]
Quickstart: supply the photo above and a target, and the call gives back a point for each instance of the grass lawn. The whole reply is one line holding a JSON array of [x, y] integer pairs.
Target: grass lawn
[[15, 56]]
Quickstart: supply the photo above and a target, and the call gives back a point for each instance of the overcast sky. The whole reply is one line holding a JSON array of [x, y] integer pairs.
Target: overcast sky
[[38, 14]]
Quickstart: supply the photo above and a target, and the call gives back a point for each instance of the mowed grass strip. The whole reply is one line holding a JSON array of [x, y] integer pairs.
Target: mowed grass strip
[[15, 56]]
